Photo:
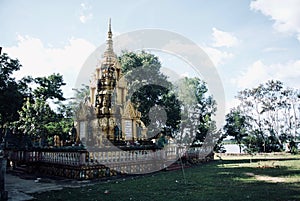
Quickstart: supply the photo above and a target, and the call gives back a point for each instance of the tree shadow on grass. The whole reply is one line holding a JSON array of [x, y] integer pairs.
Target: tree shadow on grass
[[262, 179]]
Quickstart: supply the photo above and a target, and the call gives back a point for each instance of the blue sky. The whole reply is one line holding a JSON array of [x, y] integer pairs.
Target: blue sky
[[248, 41]]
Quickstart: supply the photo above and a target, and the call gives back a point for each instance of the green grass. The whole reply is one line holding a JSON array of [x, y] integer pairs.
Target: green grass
[[233, 178]]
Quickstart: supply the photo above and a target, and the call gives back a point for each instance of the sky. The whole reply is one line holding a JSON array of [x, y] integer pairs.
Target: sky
[[249, 41]]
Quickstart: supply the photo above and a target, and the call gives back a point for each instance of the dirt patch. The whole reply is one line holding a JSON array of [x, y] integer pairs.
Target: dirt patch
[[271, 179]]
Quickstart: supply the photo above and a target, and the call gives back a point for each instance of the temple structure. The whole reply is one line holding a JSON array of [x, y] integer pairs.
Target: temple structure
[[107, 114]]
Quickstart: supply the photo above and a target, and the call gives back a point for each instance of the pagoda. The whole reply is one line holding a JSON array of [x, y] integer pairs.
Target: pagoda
[[108, 115]]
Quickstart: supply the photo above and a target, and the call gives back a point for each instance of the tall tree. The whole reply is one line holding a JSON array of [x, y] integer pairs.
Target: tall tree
[[290, 111], [37, 118], [272, 110], [198, 109], [62, 124], [11, 98], [33, 118], [149, 88], [236, 126]]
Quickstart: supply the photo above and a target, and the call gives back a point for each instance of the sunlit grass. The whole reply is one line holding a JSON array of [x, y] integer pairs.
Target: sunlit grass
[[265, 178]]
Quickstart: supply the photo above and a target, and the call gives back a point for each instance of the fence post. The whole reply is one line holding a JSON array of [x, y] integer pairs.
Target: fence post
[[3, 192]]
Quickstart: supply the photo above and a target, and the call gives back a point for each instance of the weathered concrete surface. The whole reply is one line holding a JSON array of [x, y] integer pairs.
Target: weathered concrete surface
[[20, 187]]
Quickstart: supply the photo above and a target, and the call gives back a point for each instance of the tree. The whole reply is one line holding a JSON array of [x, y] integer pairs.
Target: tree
[[198, 108], [62, 124], [272, 110], [11, 98], [149, 88], [37, 119], [49, 87], [236, 126], [25, 103], [219, 146], [250, 106], [33, 118]]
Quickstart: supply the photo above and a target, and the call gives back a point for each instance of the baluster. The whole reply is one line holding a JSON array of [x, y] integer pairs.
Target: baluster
[[75, 158], [72, 158], [50, 157], [128, 155], [107, 157], [100, 157], [62, 156], [119, 156], [83, 158], [66, 158]]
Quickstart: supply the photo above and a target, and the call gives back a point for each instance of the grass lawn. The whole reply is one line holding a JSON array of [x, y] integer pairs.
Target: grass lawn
[[269, 177]]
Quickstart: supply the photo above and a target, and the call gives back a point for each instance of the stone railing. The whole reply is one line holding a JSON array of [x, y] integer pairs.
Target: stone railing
[[98, 163], [102, 156], [52, 156], [120, 156]]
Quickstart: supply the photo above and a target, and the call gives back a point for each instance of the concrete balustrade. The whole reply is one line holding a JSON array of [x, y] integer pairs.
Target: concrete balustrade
[[95, 163]]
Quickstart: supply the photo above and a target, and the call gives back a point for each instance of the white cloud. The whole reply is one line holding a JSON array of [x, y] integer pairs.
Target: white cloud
[[259, 72], [254, 75], [274, 49], [85, 6], [218, 57], [223, 39], [40, 60], [85, 13], [285, 13], [84, 18]]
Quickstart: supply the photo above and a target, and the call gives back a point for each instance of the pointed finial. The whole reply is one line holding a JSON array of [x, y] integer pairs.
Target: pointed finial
[[109, 29]]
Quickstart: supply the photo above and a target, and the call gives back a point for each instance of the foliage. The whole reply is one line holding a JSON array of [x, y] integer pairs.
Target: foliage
[[149, 88], [198, 109], [272, 110], [24, 103], [219, 146], [49, 87], [186, 102], [11, 98], [236, 126], [39, 120]]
